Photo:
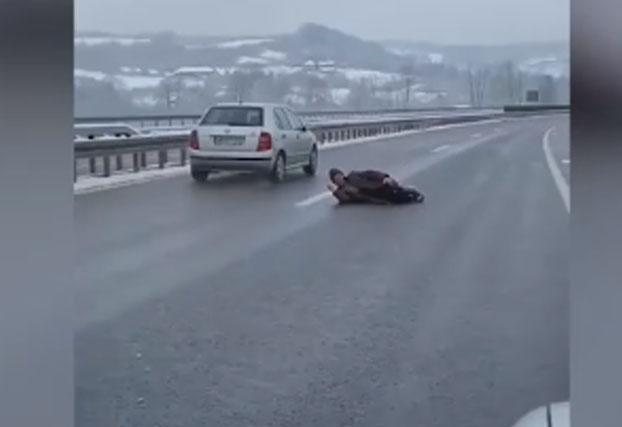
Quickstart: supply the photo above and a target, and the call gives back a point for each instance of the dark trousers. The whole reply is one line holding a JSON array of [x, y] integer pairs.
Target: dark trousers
[[397, 195]]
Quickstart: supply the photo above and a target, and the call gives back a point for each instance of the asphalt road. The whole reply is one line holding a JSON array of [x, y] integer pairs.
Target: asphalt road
[[243, 303]]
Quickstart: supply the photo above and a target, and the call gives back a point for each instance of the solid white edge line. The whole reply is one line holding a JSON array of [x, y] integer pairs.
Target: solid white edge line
[[314, 199], [560, 182]]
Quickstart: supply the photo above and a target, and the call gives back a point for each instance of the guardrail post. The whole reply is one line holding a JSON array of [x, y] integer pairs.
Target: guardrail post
[[119, 162], [92, 165], [135, 162], [106, 166], [161, 159], [143, 159], [183, 156]]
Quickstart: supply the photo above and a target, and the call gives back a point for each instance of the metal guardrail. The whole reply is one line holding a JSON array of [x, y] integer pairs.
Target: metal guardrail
[[139, 147], [535, 107], [190, 119]]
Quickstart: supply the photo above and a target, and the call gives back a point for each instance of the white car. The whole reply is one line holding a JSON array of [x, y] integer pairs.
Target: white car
[[265, 138]]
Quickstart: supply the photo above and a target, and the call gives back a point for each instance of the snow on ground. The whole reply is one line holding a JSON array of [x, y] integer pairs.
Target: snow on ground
[[251, 60], [400, 52], [153, 72], [340, 95], [194, 70], [137, 82], [294, 99], [130, 70], [425, 97], [274, 55], [436, 58], [223, 71], [281, 69], [145, 101], [93, 75], [97, 41], [357, 75], [235, 44], [190, 83], [551, 65]]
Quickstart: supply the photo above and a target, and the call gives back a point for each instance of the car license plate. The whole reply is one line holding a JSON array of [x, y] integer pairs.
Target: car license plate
[[228, 140]]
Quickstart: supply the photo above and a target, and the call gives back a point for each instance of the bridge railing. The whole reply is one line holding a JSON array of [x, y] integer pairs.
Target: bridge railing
[[171, 148], [160, 149], [176, 120]]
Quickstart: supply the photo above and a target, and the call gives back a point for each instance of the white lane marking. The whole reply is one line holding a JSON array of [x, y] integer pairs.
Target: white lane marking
[[409, 170], [441, 148], [566, 161], [314, 199], [562, 185]]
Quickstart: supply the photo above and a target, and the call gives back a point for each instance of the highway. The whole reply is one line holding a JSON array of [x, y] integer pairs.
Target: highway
[[245, 303]]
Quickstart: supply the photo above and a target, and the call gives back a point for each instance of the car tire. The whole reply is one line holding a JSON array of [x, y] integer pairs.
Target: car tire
[[278, 170], [199, 176], [311, 168]]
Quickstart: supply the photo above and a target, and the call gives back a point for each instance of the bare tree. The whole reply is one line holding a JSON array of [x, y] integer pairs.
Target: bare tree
[[513, 82], [170, 91], [315, 91], [241, 84], [478, 82], [408, 75]]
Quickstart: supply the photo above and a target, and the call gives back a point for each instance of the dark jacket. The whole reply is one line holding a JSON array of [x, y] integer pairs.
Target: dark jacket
[[367, 179]]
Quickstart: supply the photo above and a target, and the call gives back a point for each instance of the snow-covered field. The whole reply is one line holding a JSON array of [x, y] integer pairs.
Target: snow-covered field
[[97, 41], [358, 75], [551, 65], [245, 60], [86, 74], [131, 82], [273, 55], [235, 44]]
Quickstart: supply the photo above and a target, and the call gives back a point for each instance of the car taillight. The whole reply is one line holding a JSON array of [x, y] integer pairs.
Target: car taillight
[[194, 140], [265, 142]]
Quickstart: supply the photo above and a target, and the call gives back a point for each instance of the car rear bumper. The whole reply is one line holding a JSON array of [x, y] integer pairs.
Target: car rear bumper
[[209, 163]]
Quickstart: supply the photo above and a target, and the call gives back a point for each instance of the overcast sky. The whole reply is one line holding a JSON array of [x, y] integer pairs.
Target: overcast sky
[[445, 21]]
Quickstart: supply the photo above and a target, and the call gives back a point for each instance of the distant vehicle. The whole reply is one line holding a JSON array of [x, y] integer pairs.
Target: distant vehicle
[[265, 138], [104, 130]]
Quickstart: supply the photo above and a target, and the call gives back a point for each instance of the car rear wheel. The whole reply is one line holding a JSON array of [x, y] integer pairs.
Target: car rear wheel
[[311, 168], [199, 176], [278, 170]]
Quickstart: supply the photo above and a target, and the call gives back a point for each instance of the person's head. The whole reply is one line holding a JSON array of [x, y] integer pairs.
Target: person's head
[[337, 177]]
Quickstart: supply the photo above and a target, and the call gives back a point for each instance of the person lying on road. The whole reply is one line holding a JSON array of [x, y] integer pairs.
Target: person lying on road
[[370, 186]]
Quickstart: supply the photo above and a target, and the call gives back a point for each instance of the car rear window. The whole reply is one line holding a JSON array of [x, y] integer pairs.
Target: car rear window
[[234, 116]]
